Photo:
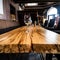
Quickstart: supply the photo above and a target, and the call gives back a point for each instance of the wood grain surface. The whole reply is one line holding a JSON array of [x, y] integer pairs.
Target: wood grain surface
[[26, 39]]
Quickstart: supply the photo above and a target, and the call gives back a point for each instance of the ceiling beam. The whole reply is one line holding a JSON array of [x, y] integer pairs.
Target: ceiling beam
[[30, 1]]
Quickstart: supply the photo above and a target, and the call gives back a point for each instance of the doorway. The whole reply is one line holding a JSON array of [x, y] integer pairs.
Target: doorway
[[51, 20], [51, 15]]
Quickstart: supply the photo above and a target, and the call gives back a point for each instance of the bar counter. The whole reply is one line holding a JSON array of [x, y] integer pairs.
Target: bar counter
[[30, 39]]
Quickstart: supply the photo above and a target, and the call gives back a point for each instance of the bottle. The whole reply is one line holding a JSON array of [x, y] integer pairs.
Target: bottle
[[35, 23]]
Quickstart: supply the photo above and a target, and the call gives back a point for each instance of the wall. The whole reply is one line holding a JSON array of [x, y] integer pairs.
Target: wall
[[6, 24], [5, 15], [5, 21], [16, 7], [58, 8]]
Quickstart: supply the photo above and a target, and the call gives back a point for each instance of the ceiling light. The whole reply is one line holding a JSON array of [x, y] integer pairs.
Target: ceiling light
[[31, 4]]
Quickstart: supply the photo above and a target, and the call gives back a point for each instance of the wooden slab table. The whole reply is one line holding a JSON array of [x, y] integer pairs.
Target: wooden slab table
[[27, 39]]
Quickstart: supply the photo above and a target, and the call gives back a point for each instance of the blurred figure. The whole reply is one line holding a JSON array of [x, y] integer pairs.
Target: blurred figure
[[27, 19]]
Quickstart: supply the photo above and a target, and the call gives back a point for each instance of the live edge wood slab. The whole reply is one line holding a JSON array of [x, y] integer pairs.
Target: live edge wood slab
[[30, 39]]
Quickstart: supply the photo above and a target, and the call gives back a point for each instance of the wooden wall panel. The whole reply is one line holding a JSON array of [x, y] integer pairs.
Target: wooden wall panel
[[7, 24], [2, 24]]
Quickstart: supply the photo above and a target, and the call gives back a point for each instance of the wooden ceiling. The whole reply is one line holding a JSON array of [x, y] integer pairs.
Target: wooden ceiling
[[41, 5], [30, 1]]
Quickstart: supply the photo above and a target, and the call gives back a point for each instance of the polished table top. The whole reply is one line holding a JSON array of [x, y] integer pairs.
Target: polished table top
[[30, 38]]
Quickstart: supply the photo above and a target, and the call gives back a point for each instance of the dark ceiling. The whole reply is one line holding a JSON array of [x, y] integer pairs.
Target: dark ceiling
[[30, 1], [41, 5]]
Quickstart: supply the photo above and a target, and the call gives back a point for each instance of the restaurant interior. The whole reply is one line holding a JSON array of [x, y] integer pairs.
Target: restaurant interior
[[29, 30]]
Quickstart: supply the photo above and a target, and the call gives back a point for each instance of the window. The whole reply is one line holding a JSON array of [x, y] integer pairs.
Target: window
[[52, 11], [1, 6]]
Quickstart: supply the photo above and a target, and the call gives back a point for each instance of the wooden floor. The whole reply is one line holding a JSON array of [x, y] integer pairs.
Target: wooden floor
[[27, 39]]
